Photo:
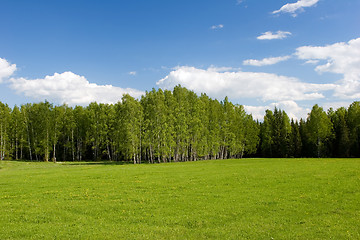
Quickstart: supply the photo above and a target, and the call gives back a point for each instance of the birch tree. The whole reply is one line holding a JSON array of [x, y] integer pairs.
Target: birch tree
[[4, 130], [320, 127]]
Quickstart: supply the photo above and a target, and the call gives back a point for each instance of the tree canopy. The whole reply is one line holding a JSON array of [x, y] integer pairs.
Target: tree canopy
[[165, 126]]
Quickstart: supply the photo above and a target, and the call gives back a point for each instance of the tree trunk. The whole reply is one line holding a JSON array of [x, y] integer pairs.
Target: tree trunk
[[140, 142], [21, 151], [1, 143], [16, 147], [29, 143], [151, 155], [72, 145], [54, 153], [242, 152], [47, 146], [108, 151]]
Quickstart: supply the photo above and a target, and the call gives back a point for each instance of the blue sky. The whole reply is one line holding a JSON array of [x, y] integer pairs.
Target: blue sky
[[286, 53]]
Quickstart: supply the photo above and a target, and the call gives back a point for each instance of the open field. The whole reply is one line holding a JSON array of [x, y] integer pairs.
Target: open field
[[224, 199]]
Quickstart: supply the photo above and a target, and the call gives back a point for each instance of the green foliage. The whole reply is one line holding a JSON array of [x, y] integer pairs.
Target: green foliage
[[295, 143], [4, 130], [228, 199], [276, 131], [320, 126], [354, 128], [17, 137], [172, 126], [341, 144], [131, 123]]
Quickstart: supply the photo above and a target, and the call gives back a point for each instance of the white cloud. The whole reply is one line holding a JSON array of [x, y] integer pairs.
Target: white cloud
[[265, 61], [70, 88], [293, 8], [270, 36], [335, 105], [257, 112], [292, 109], [133, 73], [6, 69], [239, 2], [341, 58], [214, 27], [236, 85], [213, 68], [312, 62]]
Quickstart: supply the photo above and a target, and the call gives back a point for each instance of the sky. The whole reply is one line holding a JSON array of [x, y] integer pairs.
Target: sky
[[291, 54]]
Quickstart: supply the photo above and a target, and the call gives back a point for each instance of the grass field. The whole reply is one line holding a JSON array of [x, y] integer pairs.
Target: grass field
[[224, 199]]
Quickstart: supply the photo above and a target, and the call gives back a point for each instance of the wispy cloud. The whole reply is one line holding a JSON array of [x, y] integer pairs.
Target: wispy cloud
[[133, 73], [265, 61], [312, 62], [213, 68], [270, 35], [293, 8], [219, 26]]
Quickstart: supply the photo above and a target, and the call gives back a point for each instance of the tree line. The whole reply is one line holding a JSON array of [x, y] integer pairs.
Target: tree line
[[321, 134], [172, 126], [162, 126]]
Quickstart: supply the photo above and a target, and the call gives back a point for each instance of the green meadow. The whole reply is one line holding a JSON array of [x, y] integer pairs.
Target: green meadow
[[220, 199]]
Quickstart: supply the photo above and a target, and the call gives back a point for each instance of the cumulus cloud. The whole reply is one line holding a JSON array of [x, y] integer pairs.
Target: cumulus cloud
[[257, 112], [236, 85], [214, 27], [341, 58], [271, 36], [293, 8], [265, 61], [336, 105], [6, 69], [70, 88], [292, 109]]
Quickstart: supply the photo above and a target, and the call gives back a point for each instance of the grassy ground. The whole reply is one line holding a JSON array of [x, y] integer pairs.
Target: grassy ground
[[227, 199]]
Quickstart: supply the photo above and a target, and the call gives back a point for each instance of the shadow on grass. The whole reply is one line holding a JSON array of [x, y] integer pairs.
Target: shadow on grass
[[104, 163], [77, 163], [96, 163]]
